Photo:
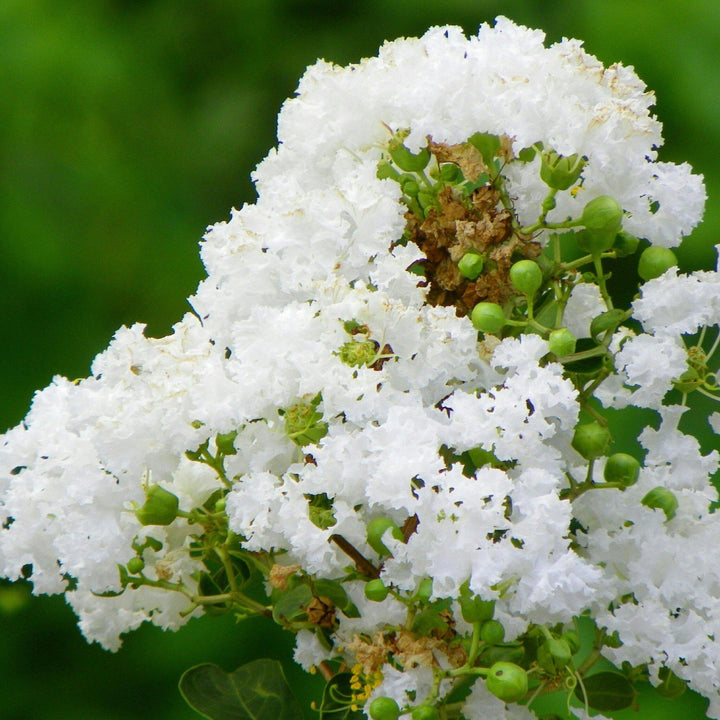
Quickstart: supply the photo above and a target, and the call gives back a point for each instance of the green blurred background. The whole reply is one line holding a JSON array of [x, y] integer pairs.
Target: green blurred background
[[128, 126]]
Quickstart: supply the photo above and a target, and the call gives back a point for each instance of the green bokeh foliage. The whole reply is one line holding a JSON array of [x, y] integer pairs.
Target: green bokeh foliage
[[127, 127]]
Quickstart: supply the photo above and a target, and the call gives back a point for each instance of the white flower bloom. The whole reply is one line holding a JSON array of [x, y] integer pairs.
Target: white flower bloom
[[320, 386], [409, 685], [309, 652], [677, 304], [585, 303], [649, 364], [714, 421]]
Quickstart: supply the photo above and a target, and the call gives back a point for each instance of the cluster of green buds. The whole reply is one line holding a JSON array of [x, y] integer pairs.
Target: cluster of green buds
[[699, 376], [592, 440], [422, 177], [304, 423], [361, 350]]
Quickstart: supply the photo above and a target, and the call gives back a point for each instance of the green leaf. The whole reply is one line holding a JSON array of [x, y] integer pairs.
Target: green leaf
[[606, 691], [430, 618], [255, 691], [671, 687], [487, 144], [351, 610], [335, 703], [320, 508], [291, 606], [606, 321], [333, 590], [215, 580]]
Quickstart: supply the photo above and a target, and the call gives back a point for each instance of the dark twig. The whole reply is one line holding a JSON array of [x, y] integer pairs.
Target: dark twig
[[361, 562]]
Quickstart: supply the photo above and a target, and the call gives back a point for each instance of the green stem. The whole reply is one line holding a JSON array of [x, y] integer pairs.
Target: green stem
[[217, 464], [590, 410], [588, 391], [582, 355], [708, 394], [212, 599], [541, 225], [467, 670], [597, 262], [474, 644], [229, 571], [589, 661], [585, 259], [421, 174]]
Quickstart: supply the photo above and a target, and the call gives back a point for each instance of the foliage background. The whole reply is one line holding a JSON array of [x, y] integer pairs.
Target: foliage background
[[128, 126]]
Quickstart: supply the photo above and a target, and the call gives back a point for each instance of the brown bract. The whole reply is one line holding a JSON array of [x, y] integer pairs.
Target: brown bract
[[321, 612], [279, 575], [466, 156], [407, 649], [478, 223]]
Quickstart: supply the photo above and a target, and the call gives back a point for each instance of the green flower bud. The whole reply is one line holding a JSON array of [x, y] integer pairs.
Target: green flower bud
[[357, 354], [424, 591], [375, 531], [160, 507], [492, 632], [553, 655], [303, 422], [225, 443], [503, 653], [375, 590], [688, 381], [593, 244], [654, 261], [561, 342], [526, 276], [572, 639], [135, 565], [548, 204], [488, 318], [425, 712], [560, 172], [426, 199], [410, 186], [591, 440], [471, 265], [473, 608], [625, 244], [622, 468], [450, 173], [384, 708], [507, 681], [406, 160], [661, 498], [602, 218]]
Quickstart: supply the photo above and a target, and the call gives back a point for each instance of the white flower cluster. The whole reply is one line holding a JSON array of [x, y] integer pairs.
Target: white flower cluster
[[318, 251]]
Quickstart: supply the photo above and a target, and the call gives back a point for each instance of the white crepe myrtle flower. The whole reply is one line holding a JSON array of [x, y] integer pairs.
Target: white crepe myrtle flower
[[714, 421], [675, 304], [368, 430], [309, 653], [584, 304]]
